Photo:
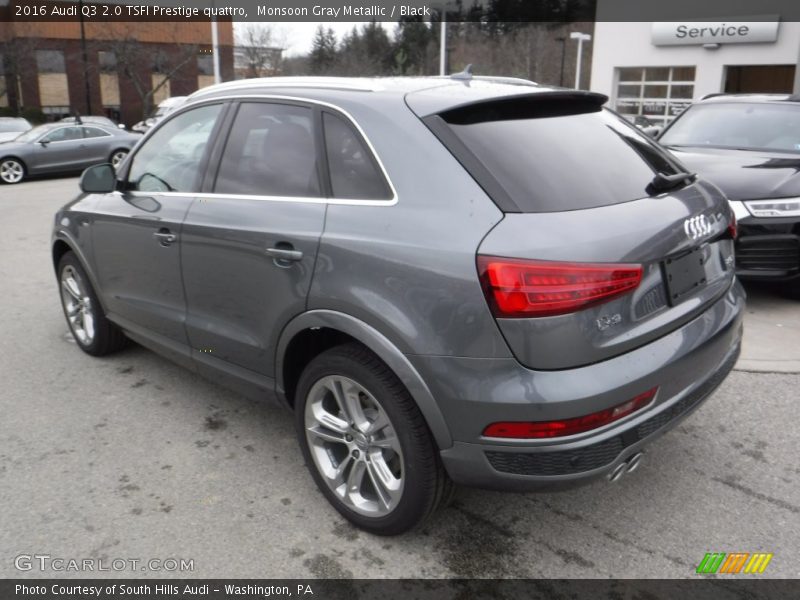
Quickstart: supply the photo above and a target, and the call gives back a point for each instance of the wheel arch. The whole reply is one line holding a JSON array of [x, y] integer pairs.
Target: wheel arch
[[63, 243], [118, 149], [310, 333]]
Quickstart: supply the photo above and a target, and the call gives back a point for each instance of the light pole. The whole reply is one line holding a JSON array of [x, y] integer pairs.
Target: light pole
[[215, 47], [581, 37], [443, 44]]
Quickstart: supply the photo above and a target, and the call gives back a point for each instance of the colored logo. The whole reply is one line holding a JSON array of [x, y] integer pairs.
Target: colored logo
[[734, 562]]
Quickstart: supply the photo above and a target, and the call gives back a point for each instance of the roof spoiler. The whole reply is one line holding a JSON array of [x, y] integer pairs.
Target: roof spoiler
[[545, 103]]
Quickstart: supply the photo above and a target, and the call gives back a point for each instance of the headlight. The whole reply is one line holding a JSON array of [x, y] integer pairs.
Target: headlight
[[781, 207]]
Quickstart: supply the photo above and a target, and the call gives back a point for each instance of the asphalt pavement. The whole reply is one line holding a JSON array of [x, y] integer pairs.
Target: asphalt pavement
[[130, 457]]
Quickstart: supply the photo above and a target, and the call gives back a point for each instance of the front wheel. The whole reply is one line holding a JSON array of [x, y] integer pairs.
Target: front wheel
[[93, 332], [366, 443], [117, 157], [11, 170]]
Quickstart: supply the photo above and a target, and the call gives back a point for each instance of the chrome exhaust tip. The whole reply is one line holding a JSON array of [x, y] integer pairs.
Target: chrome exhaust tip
[[618, 472], [633, 462]]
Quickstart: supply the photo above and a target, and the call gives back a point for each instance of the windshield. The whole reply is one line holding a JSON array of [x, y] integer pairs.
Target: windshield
[[33, 134], [743, 126]]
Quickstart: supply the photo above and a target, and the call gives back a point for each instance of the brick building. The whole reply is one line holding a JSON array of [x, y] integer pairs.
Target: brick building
[[128, 67]]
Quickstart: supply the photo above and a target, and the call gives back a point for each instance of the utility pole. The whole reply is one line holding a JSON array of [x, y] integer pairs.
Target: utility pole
[[563, 41], [85, 57]]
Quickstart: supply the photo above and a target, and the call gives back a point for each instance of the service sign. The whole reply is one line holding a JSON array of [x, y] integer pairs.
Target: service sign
[[720, 32]]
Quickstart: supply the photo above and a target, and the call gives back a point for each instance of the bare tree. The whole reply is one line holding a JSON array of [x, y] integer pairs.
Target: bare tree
[[138, 61], [13, 70], [262, 46]]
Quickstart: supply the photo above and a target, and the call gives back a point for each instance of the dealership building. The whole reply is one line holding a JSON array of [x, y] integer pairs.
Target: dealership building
[[655, 69]]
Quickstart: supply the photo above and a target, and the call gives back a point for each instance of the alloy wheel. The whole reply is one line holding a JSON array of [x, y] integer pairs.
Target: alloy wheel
[[77, 305], [354, 446], [118, 157], [11, 171]]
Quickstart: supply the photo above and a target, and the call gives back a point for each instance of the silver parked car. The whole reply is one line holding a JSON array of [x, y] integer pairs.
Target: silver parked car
[[12, 127], [63, 148], [92, 120], [448, 280]]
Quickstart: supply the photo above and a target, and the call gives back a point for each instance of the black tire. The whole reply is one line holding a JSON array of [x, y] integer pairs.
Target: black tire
[[426, 484], [107, 337]]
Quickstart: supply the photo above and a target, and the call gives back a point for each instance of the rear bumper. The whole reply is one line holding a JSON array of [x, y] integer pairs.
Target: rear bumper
[[686, 365]]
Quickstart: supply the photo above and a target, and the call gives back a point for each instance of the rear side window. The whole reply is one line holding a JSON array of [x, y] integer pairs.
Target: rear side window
[[270, 152], [94, 132], [354, 171], [549, 156]]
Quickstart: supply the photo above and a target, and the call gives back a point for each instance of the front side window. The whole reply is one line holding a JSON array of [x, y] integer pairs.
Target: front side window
[[354, 171], [64, 134], [170, 159], [270, 152]]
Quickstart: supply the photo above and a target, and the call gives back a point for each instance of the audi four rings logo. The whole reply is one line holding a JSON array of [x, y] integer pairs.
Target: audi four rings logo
[[697, 227]]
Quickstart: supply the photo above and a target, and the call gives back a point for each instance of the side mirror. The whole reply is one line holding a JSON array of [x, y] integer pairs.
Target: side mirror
[[99, 179], [44, 143]]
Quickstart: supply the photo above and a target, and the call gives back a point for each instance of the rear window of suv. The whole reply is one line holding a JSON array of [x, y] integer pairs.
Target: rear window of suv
[[548, 155]]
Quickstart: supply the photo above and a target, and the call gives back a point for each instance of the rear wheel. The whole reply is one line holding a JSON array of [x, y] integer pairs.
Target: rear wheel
[[366, 443], [93, 332], [11, 170]]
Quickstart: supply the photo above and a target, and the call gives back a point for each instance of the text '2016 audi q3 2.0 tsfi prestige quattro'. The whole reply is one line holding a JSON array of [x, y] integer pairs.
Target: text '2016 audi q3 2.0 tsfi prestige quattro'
[[473, 281]]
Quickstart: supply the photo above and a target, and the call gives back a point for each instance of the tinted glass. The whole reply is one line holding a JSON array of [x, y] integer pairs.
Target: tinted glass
[[94, 132], [170, 159], [270, 152], [354, 171], [754, 126], [554, 157], [64, 134]]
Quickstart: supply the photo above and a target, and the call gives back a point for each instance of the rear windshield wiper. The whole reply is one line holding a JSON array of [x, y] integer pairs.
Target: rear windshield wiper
[[663, 183]]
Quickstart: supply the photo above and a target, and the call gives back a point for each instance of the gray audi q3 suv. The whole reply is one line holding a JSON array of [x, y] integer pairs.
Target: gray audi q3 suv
[[475, 281]]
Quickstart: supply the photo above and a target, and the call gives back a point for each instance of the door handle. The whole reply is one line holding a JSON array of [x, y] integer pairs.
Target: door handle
[[165, 237], [285, 254]]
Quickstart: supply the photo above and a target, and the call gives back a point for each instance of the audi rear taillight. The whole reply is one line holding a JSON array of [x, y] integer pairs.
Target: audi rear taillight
[[530, 288], [732, 227], [528, 430]]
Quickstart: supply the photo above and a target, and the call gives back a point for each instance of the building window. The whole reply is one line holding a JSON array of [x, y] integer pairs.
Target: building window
[[56, 113], [658, 93], [109, 81], [205, 70], [50, 61], [53, 84]]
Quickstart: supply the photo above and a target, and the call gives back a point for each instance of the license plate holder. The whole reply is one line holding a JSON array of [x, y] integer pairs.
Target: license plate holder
[[685, 274]]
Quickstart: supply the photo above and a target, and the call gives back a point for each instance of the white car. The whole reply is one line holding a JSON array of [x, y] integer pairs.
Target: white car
[[163, 109]]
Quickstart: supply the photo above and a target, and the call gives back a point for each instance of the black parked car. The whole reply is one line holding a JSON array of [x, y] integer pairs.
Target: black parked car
[[749, 146]]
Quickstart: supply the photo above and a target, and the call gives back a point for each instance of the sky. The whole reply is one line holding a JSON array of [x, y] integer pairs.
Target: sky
[[297, 37]]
